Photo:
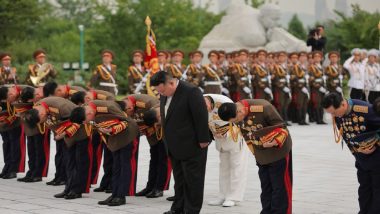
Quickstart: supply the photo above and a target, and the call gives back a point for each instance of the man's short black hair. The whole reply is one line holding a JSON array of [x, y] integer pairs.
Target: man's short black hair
[[376, 106], [49, 88], [31, 118], [160, 77], [78, 115], [3, 93], [78, 97], [27, 94], [320, 26], [333, 99], [121, 105], [227, 111], [150, 117]]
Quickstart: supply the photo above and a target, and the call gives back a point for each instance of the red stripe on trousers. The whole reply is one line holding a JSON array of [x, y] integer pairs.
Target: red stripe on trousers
[[168, 174], [90, 156], [133, 167], [288, 185], [21, 166], [98, 162], [46, 152]]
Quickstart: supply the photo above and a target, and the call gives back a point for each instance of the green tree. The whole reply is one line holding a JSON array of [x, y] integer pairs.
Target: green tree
[[296, 28], [255, 3]]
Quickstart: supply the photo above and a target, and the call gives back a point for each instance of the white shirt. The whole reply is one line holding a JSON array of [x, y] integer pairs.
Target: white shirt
[[168, 101], [372, 77], [356, 70]]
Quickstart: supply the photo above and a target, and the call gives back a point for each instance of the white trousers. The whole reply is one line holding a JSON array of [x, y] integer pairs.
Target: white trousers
[[233, 172]]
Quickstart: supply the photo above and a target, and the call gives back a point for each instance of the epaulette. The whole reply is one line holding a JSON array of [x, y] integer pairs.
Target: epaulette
[[54, 110], [256, 109], [360, 109], [101, 96], [140, 104], [218, 104], [72, 91], [101, 109]]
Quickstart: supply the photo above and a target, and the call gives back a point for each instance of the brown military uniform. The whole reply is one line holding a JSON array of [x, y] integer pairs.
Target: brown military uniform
[[176, 70], [213, 78], [135, 76], [262, 114], [33, 72], [281, 99], [239, 80], [104, 78], [70, 90], [195, 74], [109, 115], [260, 82], [333, 82], [8, 75], [316, 83], [298, 83], [103, 95]]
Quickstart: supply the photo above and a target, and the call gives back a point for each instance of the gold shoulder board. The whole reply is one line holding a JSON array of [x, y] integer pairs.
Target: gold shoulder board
[[140, 104], [256, 108], [360, 109], [102, 109], [101, 97], [54, 110]]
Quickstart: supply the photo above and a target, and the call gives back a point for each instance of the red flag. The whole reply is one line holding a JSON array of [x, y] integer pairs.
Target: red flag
[[151, 60]]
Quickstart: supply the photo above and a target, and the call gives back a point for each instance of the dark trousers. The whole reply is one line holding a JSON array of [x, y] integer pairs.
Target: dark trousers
[[60, 160], [369, 190], [189, 177], [106, 181], [97, 157], [373, 95], [357, 94], [36, 155], [159, 168], [11, 150], [79, 167], [276, 186]]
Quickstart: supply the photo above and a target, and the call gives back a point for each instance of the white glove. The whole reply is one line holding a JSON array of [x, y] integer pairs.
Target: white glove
[[247, 90], [225, 91], [307, 76], [144, 79], [287, 77], [286, 90], [340, 77], [225, 78], [324, 78], [201, 89], [184, 76], [322, 90], [267, 90], [304, 90], [249, 76], [339, 89]]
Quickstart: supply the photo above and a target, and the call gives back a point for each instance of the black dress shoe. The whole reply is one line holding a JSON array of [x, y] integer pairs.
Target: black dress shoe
[[58, 183], [155, 194], [321, 122], [10, 175], [105, 202], [73, 195], [60, 195], [99, 189], [51, 182], [171, 198], [116, 201], [143, 192], [23, 179], [108, 190], [33, 180]]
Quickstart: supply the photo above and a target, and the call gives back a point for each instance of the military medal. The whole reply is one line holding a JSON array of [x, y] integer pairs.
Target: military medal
[[362, 128], [249, 122], [361, 119], [357, 128], [355, 119], [350, 129]]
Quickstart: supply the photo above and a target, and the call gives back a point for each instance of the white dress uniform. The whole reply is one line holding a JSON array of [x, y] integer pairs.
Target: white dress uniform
[[372, 78], [356, 71], [233, 153]]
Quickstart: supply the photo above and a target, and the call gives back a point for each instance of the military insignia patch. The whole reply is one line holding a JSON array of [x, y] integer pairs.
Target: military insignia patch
[[102, 109], [101, 97], [256, 108], [140, 104], [360, 109]]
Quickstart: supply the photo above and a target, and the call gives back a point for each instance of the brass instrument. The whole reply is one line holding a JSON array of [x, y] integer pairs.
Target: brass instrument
[[42, 72]]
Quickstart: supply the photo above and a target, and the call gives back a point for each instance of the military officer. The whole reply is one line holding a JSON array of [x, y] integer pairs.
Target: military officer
[[194, 72], [239, 76], [55, 113], [233, 154], [317, 86], [163, 60], [119, 132], [214, 75], [40, 72], [334, 73], [372, 75], [356, 69], [159, 166], [300, 91], [8, 74], [356, 123], [176, 68], [64, 91], [266, 135], [104, 76], [137, 74], [281, 83], [261, 82]]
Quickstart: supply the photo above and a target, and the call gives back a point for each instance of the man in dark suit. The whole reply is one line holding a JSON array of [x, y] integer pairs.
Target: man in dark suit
[[186, 134]]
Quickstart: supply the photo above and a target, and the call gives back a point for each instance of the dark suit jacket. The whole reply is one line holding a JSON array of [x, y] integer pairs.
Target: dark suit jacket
[[186, 122]]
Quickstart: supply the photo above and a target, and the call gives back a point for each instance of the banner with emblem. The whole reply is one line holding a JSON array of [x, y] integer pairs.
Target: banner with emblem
[[151, 60]]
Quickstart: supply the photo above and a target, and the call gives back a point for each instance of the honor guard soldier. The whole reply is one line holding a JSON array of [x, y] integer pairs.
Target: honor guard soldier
[[104, 76], [159, 166], [137, 74], [356, 123], [300, 91], [261, 82], [55, 113], [317, 87], [213, 77], [240, 77], [40, 72], [266, 135], [281, 83], [119, 133], [11, 132], [372, 75], [8, 73], [334, 73], [356, 69], [194, 72], [176, 68], [163, 60], [38, 139], [233, 154]]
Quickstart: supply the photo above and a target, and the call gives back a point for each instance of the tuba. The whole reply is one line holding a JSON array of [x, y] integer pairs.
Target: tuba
[[42, 72]]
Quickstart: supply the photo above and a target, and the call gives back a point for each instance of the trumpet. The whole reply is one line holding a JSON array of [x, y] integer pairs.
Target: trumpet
[[42, 72]]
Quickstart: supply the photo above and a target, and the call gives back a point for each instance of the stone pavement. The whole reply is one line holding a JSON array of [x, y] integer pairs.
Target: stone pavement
[[324, 182]]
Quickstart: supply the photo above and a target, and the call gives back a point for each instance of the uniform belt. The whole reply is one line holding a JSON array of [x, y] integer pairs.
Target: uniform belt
[[319, 80], [264, 80], [282, 80], [244, 78], [336, 81], [108, 84], [301, 81], [212, 83]]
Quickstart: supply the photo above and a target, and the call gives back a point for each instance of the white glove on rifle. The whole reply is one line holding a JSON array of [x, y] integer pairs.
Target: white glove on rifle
[[322, 90], [247, 90]]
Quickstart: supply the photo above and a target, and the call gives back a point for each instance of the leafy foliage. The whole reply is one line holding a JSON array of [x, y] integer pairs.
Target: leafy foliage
[[296, 28]]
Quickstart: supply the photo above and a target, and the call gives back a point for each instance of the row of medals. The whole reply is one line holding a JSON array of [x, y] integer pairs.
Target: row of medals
[[351, 125]]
